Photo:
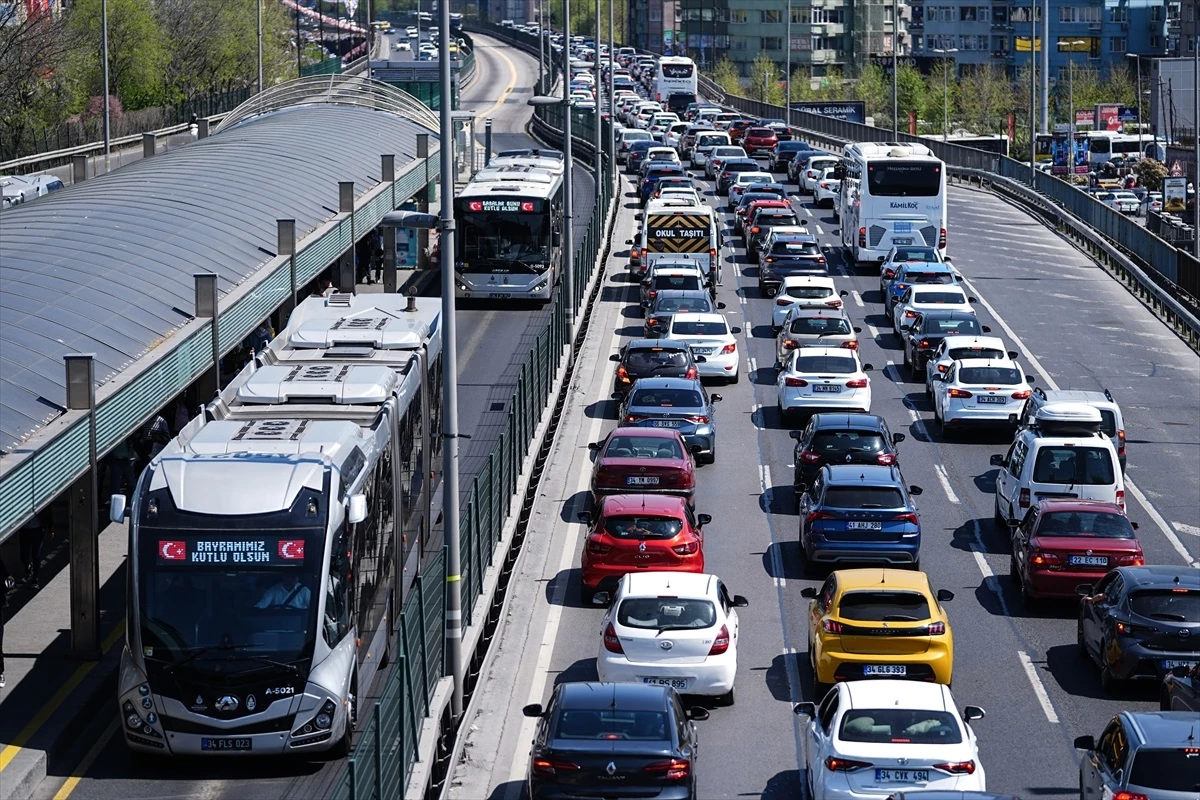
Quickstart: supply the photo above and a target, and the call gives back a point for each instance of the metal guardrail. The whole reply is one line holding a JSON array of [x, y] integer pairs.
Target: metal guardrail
[[385, 754]]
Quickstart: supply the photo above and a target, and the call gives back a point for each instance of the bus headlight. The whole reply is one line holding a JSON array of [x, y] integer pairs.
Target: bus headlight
[[540, 286]]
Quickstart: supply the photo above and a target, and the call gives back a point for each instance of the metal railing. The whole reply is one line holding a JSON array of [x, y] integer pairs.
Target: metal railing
[[343, 90], [386, 752]]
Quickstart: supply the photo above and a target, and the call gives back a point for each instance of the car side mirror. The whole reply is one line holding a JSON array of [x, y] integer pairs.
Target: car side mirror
[[1085, 742], [843, 293], [585, 517], [972, 300], [644, 304], [868, 368], [638, 217], [616, 396], [700, 359], [615, 357], [1134, 525], [944, 595], [117, 508], [973, 713], [1013, 523], [807, 709], [741, 602], [720, 306], [595, 446], [357, 511], [735, 330], [533, 710], [915, 490], [703, 519], [997, 460], [809, 592], [795, 434], [985, 329], [1084, 590], [1013, 354], [897, 438], [857, 330], [601, 599], [697, 714], [1030, 378]]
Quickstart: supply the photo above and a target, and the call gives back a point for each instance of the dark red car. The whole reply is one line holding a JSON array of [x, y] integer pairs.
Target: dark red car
[[1064, 543], [742, 213], [651, 460], [737, 129], [759, 140], [631, 532]]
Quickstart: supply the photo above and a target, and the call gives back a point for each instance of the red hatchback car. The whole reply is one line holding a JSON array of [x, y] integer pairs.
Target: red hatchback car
[[631, 532], [759, 140], [742, 213], [651, 460], [1064, 543]]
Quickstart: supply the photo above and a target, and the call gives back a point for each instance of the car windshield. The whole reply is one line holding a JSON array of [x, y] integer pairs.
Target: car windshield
[[643, 527], [915, 254], [826, 364], [964, 326], [795, 249], [1065, 464], [612, 723], [1169, 605], [829, 443], [938, 298], [990, 376], [883, 606], [1167, 770], [900, 726], [655, 358], [643, 447], [681, 328], [959, 353], [666, 614], [863, 497], [809, 292], [667, 398], [1085, 523]]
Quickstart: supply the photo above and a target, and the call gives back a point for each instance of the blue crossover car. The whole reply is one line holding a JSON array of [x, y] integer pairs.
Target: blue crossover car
[[679, 403], [856, 513]]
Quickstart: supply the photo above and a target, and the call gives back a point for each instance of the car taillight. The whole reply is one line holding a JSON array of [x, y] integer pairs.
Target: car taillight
[[814, 516], [943, 367], [1121, 442], [622, 373], [1121, 498], [820, 259], [699, 419], [936, 629], [1021, 395], [957, 767], [834, 303], [907, 516], [675, 769], [824, 185], [691, 373], [900, 287], [727, 349], [597, 547], [652, 320], [611, 643], [795, 382], [851, 345], [783, 301], [1131, 560], [1131, 795], [831, 626], [546, 766], [885, 459], [889, 273], [910, 314], [755, 229], [1023, 498], [857, 383], [712, 252], [769, 260], [960, 393], [942, 239], [634, 253], [862, 237], [688, 548], [790, 344], [634, 417], [653, 293], [923, 344], [721, 643], [1042, 558], [835, 764]]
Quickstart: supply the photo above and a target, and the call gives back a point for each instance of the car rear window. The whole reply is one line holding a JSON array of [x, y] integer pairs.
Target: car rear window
[[863, 497], [643, 527], [841, 442], [700, 329], [739, 166], [698, 305], [643, 447], [1088, 466], [826, 364], [667, 398], [963, 327], [943, 278], [1085, 523], [1169, 605], [915, 254], [884, 606], [959, 353], [990, 376], [656, 357], [938, 298], [775, 216], [1108, 422], [899, 725], [818, 326], [666, 613], [795, 249], [681, 282], [809, 292], [760, 132], [1167, 770], [588, 723]]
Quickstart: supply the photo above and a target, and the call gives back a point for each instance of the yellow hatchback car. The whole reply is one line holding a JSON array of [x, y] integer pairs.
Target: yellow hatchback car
[[878, 623]]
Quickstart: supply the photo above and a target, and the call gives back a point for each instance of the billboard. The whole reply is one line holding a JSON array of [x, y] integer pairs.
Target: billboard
[[1174, 195], [848, 110], [1060, 154], [1108, 116]]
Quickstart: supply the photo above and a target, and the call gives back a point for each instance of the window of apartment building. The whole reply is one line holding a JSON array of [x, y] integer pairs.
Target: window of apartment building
[[1074, 44], [1156, 13], [801, 16], [999, 44], [824, 43], [1155, 42], [975, 14], [999, 14], [655, 14], [1117, 44], [918, 42], [737, 43], [1080, 13], [771, 43], [966, 14], [972, 42], [823, 16], [739, 16], [801, 43], [941, 42], [1119, 14], [1021, 14], [772, 15], [941, 13], [691, 15]]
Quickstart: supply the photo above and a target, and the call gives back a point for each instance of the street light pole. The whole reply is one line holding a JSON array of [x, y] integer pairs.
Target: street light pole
[[599, 85], [612, 56], [1196, 148], [946, 92], [568, 236], [787, 103], [895, 69], [258, 9], [1045, 66], [104, 58], [1033, 93], [1071, 105], [1141, 149]]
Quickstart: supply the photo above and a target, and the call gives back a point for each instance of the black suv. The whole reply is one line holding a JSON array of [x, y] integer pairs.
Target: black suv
[[657, 358], [928, 330], [842, 439]]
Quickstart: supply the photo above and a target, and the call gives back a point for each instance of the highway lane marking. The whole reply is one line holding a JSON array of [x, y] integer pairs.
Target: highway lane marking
[[806, 209], [512, 71], [1038, 689], [858, 301], [820, 230], [1183, 527], [944, 477], [72, 782], [751, 365], [1130, 486], [39, 719]]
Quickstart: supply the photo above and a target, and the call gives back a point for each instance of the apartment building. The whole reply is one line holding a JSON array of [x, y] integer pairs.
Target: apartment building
[[652, 25]]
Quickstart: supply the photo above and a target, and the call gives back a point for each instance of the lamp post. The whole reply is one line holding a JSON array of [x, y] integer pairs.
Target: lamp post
[[1139, 97], [104, 58], [599, 84], [946, 91], [612, 56], [1071, 45], [1045, 65], [258, 9], [895, 69], [1195, 148], [787, 48], [1033, 93]]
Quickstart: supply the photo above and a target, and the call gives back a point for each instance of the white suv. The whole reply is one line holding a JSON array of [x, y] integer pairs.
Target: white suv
[[1112, 422], [1064, 454]]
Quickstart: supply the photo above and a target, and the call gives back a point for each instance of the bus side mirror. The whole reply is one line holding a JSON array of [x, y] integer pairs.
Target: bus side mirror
[[556, 238], [117, 508], [358, 509]]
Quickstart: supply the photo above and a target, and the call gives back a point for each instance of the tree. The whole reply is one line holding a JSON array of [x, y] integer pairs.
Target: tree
[[32, 91], [941, 95], [985, 98], [872, 87], [1080, 84], [725, 75], [910, 93], [832, 86], [1121, 85], [764, 80], [137, 50], [802, 88], [1150, 173]]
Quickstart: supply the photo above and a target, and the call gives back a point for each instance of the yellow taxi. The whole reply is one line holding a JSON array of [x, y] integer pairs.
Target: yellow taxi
[[878, 623]]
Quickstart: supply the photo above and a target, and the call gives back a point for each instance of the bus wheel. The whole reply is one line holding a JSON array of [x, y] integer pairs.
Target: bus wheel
[[346, 743]]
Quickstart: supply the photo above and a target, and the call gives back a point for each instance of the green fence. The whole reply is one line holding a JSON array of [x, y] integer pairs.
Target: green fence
[[330, 66], [386, 752]]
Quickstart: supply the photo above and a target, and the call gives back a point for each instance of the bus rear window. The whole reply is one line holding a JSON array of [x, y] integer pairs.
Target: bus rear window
[[904, 179]]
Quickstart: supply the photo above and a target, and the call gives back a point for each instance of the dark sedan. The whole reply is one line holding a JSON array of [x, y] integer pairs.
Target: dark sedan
[[785, 151], [762, 222], [659, 358], [731, 168], [680, 404], [652, 176], [593, 737], [637, 151], [928, 330], [842, 439], [669, 302]]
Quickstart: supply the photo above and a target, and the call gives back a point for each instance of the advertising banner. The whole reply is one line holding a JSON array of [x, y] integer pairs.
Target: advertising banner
[[1085, 118], [849, 110], [1060, 154], [1108, 116], [1174, 195]]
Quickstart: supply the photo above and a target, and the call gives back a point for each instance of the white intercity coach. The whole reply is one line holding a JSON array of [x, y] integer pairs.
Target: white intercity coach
[[269, 540]]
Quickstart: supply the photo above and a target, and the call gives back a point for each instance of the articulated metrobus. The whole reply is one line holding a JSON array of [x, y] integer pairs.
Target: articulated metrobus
[[892, 194], [269, 540]]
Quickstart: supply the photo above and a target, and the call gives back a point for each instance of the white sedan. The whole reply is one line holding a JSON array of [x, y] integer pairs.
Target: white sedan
[[675, 629], [826, 190], [803, 291], [980, 391], [928, 297], [889, 736], [403, 44], [709, 335], [956, 348], [823, 379]]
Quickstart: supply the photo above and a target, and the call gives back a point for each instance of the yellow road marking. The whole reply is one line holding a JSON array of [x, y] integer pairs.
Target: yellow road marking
[[10, 751], [70, 783], [512, 71]]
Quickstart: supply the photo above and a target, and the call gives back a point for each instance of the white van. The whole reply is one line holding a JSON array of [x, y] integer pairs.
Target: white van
[[1063, 454], [705, 142]]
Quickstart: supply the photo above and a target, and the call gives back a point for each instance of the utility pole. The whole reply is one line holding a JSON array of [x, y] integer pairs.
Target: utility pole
[[612, 55], [1195, 148], [1045, 66], [104, 58], [1033, 93], [568, 236], [896, 69], [258, 9], [787, 47], [1141, 148], [946, 67], [599, 98]]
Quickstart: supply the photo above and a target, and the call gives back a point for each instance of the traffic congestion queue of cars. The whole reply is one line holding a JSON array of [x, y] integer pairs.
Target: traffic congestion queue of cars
[[883, 722]]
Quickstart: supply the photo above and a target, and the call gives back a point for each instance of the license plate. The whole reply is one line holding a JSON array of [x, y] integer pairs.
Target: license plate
[[1088, 561], [642, 480], [666, 423], [864, 526], [901, 241], [885, 669], [703, 351], [1170, 665], [831, 388], [902, 776], [499, 295], [214, 745], [994, 399], [674, 683]]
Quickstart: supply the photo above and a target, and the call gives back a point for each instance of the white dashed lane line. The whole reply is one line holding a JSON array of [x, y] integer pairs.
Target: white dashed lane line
[[1038, 688]]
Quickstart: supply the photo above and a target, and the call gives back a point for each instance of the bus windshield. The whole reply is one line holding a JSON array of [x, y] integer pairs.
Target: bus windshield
[[494, 241], [904, 179]]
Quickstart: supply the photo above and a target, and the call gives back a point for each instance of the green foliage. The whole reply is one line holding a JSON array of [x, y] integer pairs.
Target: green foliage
[[1121, 86], [1150, 173], [874, 89], [941, 98], [725, 75], [985, 98], [910, 93], [832, 86], [802, 88], [137, 49]]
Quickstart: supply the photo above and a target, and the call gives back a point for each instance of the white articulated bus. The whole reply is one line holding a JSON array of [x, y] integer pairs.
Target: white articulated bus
[[892, 194], [271, 540]]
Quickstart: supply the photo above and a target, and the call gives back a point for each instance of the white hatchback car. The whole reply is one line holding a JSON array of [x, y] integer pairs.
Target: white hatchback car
[[804, 291], [928, 297], [674, 629], [891, 736], [823, 379], [709, 335], [826, 190], [956, 348], [980, 391]]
